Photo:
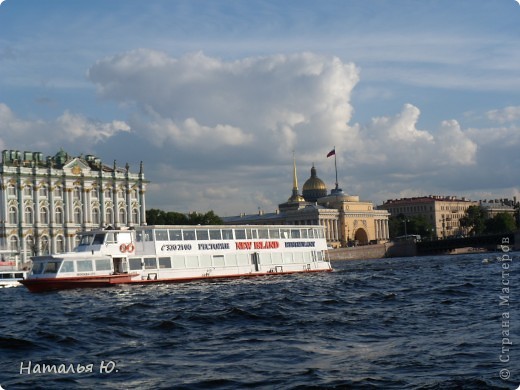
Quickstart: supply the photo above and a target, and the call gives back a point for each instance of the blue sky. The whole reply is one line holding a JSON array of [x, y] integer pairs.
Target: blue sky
[[419, 97]]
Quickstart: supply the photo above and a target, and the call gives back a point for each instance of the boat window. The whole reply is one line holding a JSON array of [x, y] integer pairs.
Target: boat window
[[263, 233], [251, 234], [311, 233], [103, 265], [202, 235], [165, 262], [67, 266], [52, 267], [148, 235], [161, 235], [84, 265], [227, 234], [175, 235], [18, 275], [295, 233], [150, 263], [37, 267], [188, 235], [304, 233], [240, 234], [98, 239], [124, 237], [86, 240], [110, 238], [139, 236], [274, 233], [135, 263], [215, 234], [285, 233], [6, 276]]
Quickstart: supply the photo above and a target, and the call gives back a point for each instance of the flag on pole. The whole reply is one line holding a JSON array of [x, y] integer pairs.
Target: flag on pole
[[332, 152]]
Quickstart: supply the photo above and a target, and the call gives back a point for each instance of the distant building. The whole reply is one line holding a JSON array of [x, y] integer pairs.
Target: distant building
[[442, 212], [347, 220], [44, 202], [493, 207]]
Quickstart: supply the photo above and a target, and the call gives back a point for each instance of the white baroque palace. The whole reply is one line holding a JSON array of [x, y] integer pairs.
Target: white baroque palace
[[46, 201]]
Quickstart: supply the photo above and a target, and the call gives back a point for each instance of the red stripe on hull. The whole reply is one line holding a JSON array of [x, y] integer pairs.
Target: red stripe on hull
[[53, 284]]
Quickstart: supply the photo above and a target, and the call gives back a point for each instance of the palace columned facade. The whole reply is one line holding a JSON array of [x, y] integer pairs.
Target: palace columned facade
[[347, 220], [44, 202]]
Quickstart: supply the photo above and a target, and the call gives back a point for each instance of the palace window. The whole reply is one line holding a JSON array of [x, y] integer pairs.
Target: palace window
[[13, 244], [95, 216], [135, 216], [28, 215], [43, 191], [11, 190], [29, 244], [58, 192], [27, 190], [109, 216], [122, 216], [44, 243], [13, 215], [59, 215], [77, 215], [60, 244], [77, 193], [44, 215]]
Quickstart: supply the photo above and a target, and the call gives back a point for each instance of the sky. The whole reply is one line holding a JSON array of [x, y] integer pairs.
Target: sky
[[216, 98]]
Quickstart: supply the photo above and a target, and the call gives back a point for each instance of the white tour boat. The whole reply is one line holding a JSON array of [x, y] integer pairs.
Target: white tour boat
[[11, 272], [168, 254]]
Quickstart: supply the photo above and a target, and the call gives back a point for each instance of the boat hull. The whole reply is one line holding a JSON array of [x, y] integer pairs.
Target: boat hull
[[54, 284]]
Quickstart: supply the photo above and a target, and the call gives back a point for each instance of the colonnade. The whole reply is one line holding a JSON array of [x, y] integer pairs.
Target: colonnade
[[382, 232]]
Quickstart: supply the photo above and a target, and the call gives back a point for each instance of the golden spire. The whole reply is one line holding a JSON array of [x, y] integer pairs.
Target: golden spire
[[295, 196]]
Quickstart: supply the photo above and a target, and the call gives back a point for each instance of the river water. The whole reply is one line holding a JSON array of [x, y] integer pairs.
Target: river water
[[404, 323]]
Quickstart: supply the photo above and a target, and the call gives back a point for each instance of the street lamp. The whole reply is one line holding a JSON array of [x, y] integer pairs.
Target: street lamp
[[405, 230]]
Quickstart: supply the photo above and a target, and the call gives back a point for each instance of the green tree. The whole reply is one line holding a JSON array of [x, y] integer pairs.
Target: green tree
[[160, 217], [417, 224], [474, 220], [500, 223]]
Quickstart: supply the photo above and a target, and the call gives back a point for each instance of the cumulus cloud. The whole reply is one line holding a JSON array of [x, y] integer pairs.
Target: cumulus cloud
[[507, 114], [75, 126], [274, 104], [396, 144], [69, 129], [247, 116]]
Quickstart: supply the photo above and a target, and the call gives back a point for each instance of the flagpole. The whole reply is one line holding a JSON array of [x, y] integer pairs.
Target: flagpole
[[336, 167]]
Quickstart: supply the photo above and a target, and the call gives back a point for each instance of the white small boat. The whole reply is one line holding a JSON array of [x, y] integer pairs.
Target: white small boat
[[12, 278]]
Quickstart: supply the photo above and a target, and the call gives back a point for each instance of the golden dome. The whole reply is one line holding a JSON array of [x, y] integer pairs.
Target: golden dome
[[314, 188]]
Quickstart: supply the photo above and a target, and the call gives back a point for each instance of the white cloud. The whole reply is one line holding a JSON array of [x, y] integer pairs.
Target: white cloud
[[68, 130], [76, 127], [508, 114], [281, 102], [398, 146]]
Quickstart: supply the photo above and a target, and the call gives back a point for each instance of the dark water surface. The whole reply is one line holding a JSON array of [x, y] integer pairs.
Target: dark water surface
[[405, 323]]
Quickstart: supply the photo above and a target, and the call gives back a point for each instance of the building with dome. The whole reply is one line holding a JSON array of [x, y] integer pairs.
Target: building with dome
[[347, 220], [45, 201], [314, 188]]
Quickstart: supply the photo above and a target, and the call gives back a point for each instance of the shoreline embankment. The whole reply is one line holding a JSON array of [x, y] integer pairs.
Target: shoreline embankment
[[400, 249]]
